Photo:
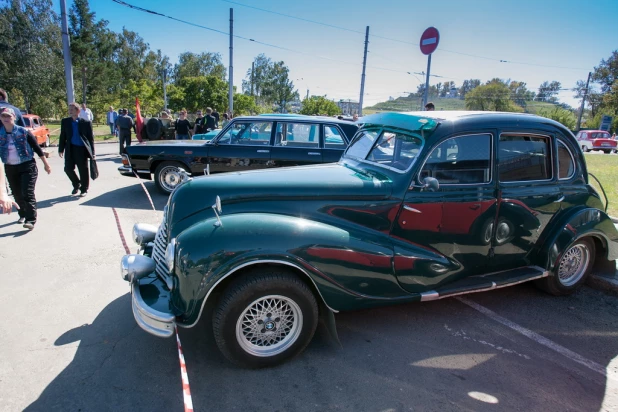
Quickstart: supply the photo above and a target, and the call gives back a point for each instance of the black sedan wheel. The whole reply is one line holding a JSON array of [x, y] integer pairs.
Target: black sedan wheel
[[265, 318], [572, 270], [168, 176]]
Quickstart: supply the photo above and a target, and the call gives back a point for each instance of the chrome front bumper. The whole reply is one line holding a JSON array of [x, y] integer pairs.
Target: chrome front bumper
[[151, 320], [126, 171], [153, 317]]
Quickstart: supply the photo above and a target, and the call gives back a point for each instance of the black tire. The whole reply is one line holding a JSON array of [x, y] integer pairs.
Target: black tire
[[245, 298], [154, 129], [560, 282], [608, 151], [167, 176]]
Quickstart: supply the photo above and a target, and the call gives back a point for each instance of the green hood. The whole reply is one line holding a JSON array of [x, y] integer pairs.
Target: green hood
[[278, 185]]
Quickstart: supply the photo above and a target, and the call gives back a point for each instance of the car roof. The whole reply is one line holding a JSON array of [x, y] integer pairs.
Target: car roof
[[300, 117], [413, 120]]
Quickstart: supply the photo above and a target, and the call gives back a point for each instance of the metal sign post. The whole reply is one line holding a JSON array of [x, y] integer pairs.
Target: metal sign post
[[429, 44]]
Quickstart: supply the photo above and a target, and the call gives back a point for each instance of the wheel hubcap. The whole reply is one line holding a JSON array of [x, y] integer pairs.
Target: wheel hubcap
[[170, 178], [573, 265], [503, 232], [269, 326]]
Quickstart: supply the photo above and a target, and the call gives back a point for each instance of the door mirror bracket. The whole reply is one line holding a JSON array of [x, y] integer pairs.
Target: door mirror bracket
[[429, 183]]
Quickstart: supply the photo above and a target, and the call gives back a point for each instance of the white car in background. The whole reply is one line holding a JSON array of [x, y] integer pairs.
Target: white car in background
[[596, 140]]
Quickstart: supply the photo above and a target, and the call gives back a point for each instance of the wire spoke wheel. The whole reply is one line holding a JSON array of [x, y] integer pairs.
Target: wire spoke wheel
[[574, 264], [269, 325], [170, 178]]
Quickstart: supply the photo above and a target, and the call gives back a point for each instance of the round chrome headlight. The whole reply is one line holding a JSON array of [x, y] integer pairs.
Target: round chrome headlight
[[144, 233], [170, 253]]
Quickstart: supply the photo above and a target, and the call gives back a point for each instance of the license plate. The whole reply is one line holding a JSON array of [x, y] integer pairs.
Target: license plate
[[606, 144]]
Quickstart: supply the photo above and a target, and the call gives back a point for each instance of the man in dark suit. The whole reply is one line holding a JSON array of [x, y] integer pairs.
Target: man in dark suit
[[77, 139]]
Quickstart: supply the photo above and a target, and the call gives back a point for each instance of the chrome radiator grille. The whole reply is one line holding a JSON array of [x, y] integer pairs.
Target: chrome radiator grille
[[158, 252]]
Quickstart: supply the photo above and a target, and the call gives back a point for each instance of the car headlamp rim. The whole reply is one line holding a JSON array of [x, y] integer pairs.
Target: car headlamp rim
[[143, 233], [170, 255]]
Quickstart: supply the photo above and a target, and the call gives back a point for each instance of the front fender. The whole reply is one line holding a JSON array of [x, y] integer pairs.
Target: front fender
[[578, 224], [349, 268]]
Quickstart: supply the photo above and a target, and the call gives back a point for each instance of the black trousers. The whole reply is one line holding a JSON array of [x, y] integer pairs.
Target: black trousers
[[77, 156], [22, 180], [124, 139]]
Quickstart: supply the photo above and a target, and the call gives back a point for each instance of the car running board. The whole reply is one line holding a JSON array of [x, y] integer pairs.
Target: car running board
[[485, 282]]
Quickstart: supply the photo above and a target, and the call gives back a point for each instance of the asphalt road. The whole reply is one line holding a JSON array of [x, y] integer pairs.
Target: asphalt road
[[70, 342]]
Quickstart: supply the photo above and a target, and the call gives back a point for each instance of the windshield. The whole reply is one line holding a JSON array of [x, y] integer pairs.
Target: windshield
[[26, 121], [390, 149]]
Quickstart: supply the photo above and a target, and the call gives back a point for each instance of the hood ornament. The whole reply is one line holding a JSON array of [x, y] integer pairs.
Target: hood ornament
[[217, 208]]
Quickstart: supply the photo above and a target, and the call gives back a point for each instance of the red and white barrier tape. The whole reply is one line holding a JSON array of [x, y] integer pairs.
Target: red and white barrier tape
[[146, 191], [122, 239], [186, 390]]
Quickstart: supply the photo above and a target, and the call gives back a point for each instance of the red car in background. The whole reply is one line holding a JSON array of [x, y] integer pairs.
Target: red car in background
[[596, 140], [35, 125]]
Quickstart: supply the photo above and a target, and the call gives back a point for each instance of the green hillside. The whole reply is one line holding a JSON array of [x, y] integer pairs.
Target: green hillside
[[406, 104]]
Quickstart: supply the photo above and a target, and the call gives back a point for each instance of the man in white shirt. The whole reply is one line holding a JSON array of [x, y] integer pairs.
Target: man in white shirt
[[85, 113]]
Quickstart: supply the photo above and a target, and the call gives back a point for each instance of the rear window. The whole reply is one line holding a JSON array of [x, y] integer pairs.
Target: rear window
[[524, 158], [600, 135]]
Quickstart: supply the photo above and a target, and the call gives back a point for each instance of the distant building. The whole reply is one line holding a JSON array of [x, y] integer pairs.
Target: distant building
[[391, 98], [452, 94], [348, 107]]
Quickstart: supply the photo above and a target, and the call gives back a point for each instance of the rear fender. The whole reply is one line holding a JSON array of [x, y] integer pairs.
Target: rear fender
[[587, 222]]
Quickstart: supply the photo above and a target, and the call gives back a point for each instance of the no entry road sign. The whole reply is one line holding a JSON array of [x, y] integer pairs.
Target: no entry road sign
[[430, 40]]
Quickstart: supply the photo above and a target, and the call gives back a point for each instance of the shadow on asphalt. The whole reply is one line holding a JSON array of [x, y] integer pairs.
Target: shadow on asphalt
[[129, 197], [393, 358], [50, 202], [15, 234]]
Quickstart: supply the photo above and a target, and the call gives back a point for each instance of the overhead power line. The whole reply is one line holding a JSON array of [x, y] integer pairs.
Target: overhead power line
[[141, 9], [397, 40]]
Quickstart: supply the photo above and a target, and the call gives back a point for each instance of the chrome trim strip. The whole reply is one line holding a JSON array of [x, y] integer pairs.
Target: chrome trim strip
[[143, 171], [435, 295], [430, 295], [125, 168], [263, 151], [314, 153], [250, 264], [411, 209], [573, 162], [151, 320]]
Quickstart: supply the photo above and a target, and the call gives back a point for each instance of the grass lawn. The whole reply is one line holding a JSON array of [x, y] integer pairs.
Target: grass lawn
[[605, 168], [101, 132]]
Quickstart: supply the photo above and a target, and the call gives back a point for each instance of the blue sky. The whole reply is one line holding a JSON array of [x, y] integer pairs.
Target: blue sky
[[572, 36]]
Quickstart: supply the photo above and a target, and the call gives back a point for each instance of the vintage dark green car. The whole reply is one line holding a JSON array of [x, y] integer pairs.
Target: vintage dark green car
[[421, 206]]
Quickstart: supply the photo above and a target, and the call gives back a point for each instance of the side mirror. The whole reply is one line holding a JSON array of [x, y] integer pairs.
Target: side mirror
[[431, 184]]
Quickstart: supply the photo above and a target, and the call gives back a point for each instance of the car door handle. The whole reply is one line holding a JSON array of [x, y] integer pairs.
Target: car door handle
[[263, 151], [313, 153], [559, 200], [411, 209], [475, 206]]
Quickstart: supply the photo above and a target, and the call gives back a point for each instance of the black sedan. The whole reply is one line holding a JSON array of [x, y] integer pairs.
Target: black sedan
[[246, 143]]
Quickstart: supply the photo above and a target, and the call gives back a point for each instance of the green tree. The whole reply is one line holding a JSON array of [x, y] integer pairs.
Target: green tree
[[520, 93], [31, 67], [255, 82], [199, 65], [467, 86], [279, 89], [606, 73], [244, 105], [494, 96], [548, 91], [319, 105], [566, 117], [200, 92]]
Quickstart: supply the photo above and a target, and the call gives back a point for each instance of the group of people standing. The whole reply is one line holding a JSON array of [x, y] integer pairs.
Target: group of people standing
[[120, 124], [18, 165], [203, 123]]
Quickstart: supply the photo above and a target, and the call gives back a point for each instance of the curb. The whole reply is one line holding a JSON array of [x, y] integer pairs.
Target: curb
[[604, 282]]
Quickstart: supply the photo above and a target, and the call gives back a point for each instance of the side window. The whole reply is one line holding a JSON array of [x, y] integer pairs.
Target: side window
[[332, 138], [303, 135], [524, 158], [566, 163], [247, 133], [460, 160], [35, 122], [584, 135]]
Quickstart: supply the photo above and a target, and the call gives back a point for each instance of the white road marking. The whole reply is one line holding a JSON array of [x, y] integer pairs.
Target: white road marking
[[462, 334], [611, 374]]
